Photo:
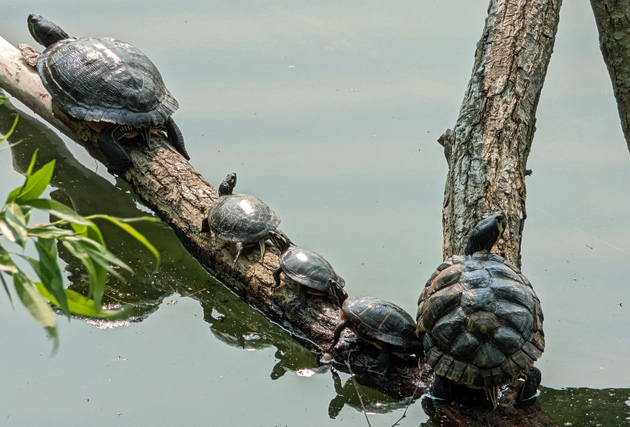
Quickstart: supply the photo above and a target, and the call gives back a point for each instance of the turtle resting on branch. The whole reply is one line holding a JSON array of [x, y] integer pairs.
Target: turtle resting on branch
[[481, 321], [108, 83]]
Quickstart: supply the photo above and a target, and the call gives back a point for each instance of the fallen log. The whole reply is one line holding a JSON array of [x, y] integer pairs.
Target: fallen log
[[171, 187]]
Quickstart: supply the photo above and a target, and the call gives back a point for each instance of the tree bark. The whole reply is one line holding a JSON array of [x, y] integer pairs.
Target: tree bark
[[170, 186], [613, 23], [487, 150]]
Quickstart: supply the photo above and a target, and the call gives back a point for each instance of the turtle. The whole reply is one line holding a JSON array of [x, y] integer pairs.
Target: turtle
[[240, 218], [480, 321], [109, 84], [379, 322], [308, 269]]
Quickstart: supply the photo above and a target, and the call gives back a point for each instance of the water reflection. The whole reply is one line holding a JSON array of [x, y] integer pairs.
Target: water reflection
[[362, 398], [586, 406], [231, 320]]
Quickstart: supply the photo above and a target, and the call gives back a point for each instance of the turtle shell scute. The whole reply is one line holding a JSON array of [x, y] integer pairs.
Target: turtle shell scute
[[480, 321]]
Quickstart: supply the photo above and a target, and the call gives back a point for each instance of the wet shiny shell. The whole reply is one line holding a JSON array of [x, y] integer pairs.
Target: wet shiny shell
[[480, 320], [309, 269], [103, 79], [379, 321], [242, 218]]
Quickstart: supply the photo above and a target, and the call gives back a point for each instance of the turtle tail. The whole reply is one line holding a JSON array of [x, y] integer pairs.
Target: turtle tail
[[492, 393]]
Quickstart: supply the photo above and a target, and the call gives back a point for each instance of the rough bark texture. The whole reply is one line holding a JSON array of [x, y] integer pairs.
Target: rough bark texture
[[613, 22], [170, 186], [487, 150]]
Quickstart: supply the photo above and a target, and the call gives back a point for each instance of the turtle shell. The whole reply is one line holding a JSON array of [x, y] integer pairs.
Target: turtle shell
[[480, 321], [242, 218], [105, 80], [308, 268], [379, 321]]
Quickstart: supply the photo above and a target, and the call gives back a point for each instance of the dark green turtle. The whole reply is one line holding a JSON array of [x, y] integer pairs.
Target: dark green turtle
[[379, 322], [240, 218], [481, 321], [110, 84], [307, 268]]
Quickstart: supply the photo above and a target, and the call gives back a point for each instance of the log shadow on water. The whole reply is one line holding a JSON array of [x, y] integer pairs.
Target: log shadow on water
[[231, 320]]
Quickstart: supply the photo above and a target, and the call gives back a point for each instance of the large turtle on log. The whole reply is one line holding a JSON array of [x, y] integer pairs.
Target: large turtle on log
[[481, 321], [108, 83]]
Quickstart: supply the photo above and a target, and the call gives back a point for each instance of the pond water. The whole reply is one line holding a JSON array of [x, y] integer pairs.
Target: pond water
[[329, 112]]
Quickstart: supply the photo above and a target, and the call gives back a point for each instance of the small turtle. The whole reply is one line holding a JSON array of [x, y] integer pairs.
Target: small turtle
[[481, 321], [110, 84], [308, 269], [240, 218], [379, 322]]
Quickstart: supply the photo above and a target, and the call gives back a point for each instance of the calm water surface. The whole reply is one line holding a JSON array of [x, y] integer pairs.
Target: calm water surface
[[330, 112]]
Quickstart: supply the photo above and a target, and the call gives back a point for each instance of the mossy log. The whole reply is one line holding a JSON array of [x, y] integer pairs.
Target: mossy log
[[179, 195]]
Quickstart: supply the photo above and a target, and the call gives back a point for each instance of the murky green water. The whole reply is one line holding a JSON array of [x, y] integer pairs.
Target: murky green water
[[330, 112]]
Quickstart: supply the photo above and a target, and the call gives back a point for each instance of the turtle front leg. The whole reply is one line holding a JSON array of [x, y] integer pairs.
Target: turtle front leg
[[337, 334], [276, 278], [176, 138], [118, 160], [261, 243], [382, 362], [527, 394], [239, 249]]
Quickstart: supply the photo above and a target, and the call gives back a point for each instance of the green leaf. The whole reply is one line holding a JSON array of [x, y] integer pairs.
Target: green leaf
[[35, 184], [124, 224], [31, 166], [89, 231], [91, 255], [14, 224], [83, 306], [36, 304], [13, 126], [6, 263], [49, 271], [6, 289], [5, 230], [57, 209], [49, 232]]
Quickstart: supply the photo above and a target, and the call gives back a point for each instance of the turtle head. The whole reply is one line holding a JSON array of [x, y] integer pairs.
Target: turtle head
[[44, 31], [280, 240], [337, 294], [228, 184], [486, 233]]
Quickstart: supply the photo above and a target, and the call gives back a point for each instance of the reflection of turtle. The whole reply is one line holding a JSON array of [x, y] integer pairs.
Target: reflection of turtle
[[110, 84], [240, 218], [308, 269], [480, 320], [387, 326]]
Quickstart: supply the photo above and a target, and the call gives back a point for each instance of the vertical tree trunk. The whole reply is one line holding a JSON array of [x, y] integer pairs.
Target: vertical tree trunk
[[487, 150], [613, 22]]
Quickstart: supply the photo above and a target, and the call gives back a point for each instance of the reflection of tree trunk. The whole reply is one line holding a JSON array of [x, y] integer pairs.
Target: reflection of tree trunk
[[487, 150], [181, 197], [613, 22]]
